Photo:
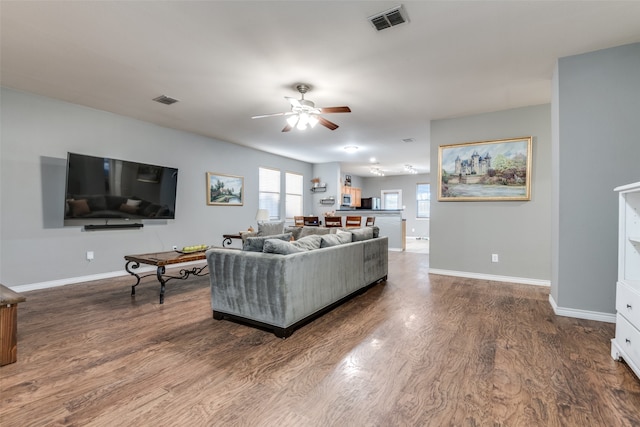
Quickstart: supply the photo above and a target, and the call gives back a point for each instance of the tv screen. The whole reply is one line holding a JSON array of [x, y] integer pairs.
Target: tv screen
[[105, 188]]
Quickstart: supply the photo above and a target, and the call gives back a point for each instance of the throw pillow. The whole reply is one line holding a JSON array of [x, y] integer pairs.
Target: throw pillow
[[308, 243], [279, 247], [270, 228], [275, 246], [360, 234], [79, 207], [256, 244], [330, 240], [134, 203]]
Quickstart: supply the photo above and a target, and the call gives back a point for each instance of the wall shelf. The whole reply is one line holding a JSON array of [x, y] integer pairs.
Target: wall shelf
[[328, 201], [319, 189]]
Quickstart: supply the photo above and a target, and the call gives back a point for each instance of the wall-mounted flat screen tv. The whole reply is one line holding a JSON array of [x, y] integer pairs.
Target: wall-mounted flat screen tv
[[105, 188]]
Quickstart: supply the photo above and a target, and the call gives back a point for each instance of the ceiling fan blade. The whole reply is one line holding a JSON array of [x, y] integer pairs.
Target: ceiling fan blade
[[288, 113], [328, 110], [287, 128], [326, 123], [267, 115], [293, 101]]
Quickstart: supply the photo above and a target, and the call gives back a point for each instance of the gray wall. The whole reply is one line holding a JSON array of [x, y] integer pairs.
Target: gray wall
[[373, 186], [37, 133], [596, 128], [465, 234]]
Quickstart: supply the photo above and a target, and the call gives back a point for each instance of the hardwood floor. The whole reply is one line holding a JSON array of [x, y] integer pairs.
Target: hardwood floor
[[419, 350]]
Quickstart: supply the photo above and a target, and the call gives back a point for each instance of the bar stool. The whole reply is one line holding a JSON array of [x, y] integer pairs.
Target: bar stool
[[353, 221]]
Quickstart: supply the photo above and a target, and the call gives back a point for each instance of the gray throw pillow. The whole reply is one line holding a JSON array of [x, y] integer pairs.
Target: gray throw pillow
[[360, 234], [295, 231], [270, 228], [275, 246], [255, 244], [335, 239], [308, 243]]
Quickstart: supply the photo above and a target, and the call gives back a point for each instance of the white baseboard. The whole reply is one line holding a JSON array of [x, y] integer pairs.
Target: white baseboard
[[482, 276], [90, 278], [581, 314]]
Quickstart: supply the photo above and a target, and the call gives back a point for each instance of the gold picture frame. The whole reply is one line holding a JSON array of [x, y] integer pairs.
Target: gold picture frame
[[224, 190], [498, 170]]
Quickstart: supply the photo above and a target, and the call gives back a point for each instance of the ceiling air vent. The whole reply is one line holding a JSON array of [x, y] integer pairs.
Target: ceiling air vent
[[162, 99], [389, 18]]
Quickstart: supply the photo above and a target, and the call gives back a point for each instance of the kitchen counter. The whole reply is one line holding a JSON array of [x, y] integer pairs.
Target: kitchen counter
[[389, 221]]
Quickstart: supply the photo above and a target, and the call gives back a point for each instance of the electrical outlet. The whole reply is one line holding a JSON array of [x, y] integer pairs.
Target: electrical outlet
[[494, 258], [90, 256]]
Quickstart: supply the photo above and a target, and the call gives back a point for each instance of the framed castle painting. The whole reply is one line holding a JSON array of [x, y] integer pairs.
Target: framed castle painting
[[497, 170]]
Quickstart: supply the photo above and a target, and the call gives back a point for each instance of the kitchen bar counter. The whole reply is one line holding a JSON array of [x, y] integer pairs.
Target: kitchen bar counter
[[389, 221]]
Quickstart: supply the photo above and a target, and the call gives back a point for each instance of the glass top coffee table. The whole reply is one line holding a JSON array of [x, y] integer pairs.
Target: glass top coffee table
[[160, 260]]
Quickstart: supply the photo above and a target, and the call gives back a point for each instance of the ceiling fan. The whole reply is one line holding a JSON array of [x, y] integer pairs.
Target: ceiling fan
[[305, 114]]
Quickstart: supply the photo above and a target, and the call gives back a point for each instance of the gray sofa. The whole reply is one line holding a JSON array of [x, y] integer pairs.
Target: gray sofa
[[282, 292]]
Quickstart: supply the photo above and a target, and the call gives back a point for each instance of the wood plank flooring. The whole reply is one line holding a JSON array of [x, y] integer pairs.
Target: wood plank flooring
[[418, 350]]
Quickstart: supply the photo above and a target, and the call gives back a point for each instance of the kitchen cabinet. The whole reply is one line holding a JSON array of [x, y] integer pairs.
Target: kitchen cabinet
[[356, 195]]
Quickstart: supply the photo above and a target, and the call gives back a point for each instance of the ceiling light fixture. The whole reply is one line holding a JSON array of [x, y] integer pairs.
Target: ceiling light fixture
[[376, 171], [351, 148], [410, 169]]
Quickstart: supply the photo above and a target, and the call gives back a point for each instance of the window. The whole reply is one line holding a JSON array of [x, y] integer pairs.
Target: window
[[391, 199], [269, 191], [423, 200], [293, 198]]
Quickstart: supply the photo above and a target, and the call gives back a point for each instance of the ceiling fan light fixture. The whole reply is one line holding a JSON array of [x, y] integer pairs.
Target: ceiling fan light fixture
[[292, 120], [313, 120], [351, 148]]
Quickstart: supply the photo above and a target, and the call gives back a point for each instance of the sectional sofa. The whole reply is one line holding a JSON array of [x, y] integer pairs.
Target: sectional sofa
[[279, 284]]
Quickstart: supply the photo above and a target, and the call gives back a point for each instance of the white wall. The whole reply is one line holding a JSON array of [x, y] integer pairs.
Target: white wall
[[465, 234], [37, 133], [596, 128]]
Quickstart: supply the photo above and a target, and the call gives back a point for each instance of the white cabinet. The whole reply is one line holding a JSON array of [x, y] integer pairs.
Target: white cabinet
[[626, 344]]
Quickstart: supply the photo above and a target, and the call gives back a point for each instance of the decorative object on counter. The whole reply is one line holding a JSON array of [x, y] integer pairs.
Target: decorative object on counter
[[497, 170], [371, 220]]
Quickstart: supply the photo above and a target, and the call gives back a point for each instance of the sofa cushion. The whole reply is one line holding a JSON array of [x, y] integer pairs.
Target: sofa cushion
[[270, 228], [360, 234], [335, 239], [256, 244], [280, 247]]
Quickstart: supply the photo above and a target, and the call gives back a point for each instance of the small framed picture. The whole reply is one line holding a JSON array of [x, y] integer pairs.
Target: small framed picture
[[224, 190]]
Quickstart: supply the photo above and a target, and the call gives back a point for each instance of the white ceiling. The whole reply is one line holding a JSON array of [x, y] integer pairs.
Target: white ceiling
[[229, 60]]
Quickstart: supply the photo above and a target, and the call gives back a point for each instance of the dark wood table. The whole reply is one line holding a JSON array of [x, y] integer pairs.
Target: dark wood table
[[160, 260], [227, 239]]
